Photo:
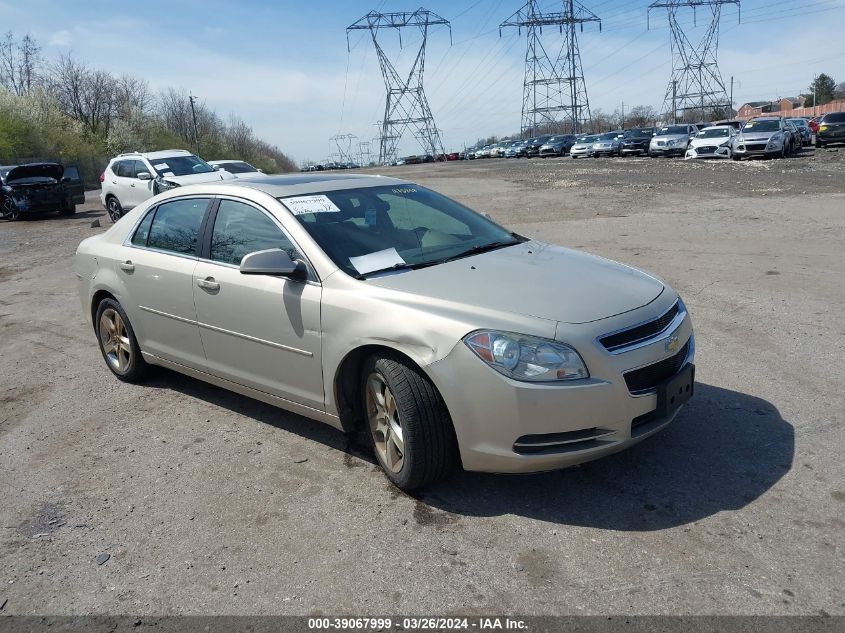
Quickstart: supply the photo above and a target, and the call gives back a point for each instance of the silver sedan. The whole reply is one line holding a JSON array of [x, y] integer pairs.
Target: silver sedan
[[376, 304]]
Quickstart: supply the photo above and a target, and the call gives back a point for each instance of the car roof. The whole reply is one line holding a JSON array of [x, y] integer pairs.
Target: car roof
[[306, 183], [718, 127], [226, 160], [164, 153]]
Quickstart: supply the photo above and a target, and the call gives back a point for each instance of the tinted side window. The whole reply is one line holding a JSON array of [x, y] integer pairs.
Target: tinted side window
[[240, 229], [834, 117], [138, 167], [143, 230], [72, 173], [176, 225], [124, 169]]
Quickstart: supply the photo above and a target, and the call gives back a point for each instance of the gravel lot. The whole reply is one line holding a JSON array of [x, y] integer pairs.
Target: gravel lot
[[204, 501]]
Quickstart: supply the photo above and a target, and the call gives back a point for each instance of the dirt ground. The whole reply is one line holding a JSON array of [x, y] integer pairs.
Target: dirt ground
[[203, 501]]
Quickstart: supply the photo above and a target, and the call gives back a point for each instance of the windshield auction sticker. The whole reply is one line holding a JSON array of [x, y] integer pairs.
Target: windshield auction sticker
[[301, 205]]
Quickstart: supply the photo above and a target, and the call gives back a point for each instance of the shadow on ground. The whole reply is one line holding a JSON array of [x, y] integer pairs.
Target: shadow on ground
[[723, 451]]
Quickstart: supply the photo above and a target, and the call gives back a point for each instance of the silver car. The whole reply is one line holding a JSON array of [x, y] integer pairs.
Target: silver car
[[762, 136], [375, 304], [672, 140], [583, 146]]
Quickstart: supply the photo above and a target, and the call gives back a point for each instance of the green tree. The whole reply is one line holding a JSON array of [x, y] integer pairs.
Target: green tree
[[821, 90]]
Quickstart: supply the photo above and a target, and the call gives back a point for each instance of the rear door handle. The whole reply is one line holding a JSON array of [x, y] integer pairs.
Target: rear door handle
[[128, 266], [208, 284]]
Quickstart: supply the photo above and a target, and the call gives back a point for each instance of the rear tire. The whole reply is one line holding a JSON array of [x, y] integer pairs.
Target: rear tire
[[11, 212], [118, 344], [407, 423], [736, 157]]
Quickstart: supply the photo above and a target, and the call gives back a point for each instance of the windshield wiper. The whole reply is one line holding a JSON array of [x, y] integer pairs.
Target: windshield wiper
[[482, 248], [400, 266]]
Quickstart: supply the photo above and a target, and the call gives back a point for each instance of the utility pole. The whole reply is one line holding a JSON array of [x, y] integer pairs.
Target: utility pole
[[553, 87], [406, 105], [191, 98], [674, 101], [696, 82], [731, 106], [815, 100], [623, 115]]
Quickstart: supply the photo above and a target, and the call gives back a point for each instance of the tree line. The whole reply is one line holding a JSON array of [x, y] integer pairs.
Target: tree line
[[66, 108]]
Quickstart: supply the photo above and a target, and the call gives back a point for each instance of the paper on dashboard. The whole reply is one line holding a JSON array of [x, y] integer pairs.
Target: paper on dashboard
[[376, 261]]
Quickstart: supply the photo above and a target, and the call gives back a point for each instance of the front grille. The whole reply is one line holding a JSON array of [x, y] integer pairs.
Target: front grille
[[567, 442], [613, 342], [755, 147], [648, 377], [709, 149]]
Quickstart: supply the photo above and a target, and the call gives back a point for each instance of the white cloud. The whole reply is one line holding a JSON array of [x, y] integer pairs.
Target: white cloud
[[60, 38]]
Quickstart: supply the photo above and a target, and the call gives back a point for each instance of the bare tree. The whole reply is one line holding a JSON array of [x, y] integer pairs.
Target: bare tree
[[19, 63], [84, 94], [641, 116]]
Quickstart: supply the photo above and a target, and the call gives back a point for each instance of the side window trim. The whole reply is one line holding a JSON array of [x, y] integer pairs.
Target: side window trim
[[205, 251], [154, 210]]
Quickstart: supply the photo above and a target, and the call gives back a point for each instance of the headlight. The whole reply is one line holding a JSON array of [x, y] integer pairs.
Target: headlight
[[527, 358], [160, 185]]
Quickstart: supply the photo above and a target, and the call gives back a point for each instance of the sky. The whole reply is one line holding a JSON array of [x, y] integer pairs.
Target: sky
[[284, 67]]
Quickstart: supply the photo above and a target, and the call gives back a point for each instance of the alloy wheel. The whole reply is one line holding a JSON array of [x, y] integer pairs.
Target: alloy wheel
[[115, 340], [10, 210], [114, 210], [385, 427]]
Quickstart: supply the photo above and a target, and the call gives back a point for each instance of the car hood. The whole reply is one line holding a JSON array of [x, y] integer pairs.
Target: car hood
[[36, 170], [670, 137], [192, 179], [533, 279], [699, 142], [757, 136], [582, 145]]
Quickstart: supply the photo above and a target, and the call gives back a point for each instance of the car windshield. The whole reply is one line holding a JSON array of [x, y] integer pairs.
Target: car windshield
[[180, 166], [714, 133], [673, 129], [798, 122], [394, 227], [237, 167], [586, 139], [762, 126], [638, 133], [835, 117], [608, 137]]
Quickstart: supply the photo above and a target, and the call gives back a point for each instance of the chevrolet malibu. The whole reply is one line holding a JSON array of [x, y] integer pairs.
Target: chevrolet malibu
[[376, 305]]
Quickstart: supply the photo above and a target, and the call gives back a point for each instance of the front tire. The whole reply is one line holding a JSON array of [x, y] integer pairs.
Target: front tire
[[407, 423], [114, 209], [11, 211], [118, 343]]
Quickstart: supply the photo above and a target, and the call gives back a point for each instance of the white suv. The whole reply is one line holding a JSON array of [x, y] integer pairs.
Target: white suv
[[132, 178]]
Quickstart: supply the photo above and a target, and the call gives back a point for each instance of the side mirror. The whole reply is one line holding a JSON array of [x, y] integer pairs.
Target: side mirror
[[144, 175], [216, 167], [274, 262]]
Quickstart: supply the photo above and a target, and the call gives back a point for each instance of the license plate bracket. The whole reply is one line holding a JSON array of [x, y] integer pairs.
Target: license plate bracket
[[676, 391]]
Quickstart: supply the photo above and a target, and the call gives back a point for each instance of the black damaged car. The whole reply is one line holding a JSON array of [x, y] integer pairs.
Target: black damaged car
[[39, 187]]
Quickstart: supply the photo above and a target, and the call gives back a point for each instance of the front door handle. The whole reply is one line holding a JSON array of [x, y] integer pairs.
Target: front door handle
[[128, 266], [208, 284]]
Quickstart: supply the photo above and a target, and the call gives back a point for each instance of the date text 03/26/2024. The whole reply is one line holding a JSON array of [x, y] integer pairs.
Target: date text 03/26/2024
[[417, 624]]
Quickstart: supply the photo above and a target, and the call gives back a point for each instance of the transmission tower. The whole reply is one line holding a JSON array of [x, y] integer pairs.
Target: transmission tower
[[696, 83], [406, 105], [554, 92], [344, 146], [364, 153]]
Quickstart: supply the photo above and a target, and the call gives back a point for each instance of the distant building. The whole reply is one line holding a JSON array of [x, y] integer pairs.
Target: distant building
[[756, 108]]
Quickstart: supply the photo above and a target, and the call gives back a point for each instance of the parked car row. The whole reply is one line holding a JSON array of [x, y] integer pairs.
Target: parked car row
[[759, 136]]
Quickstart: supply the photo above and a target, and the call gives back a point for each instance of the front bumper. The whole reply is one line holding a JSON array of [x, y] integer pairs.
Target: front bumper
[[577, 152], [634, 148], [667, 150], [709, 151], [496, 418], [756, 148]]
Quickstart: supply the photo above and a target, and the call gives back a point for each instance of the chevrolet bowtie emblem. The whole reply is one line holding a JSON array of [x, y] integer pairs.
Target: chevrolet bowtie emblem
[[672, 344]]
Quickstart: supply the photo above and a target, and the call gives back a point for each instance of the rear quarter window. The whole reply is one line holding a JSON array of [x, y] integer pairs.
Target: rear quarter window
[[176, 226]]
